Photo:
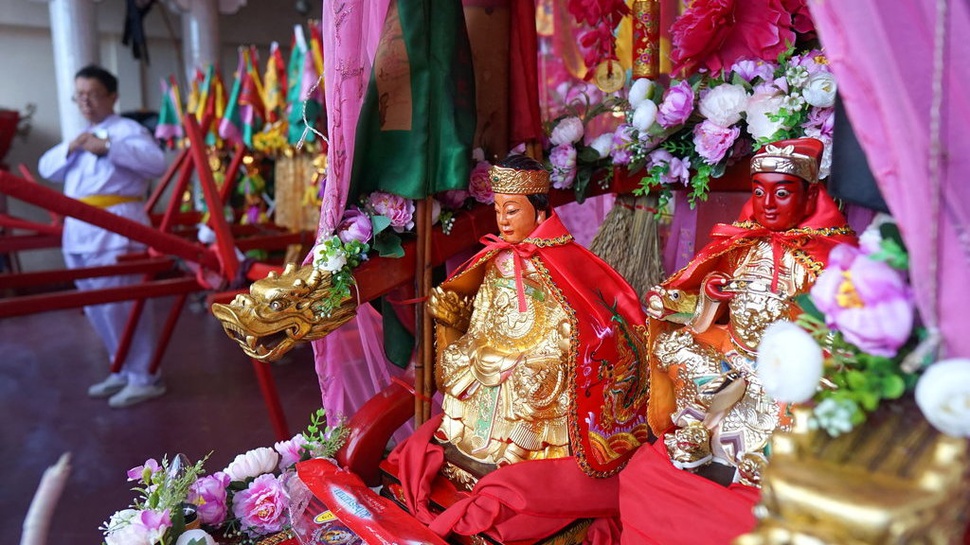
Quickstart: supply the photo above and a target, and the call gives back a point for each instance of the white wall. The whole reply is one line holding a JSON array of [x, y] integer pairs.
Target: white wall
[[27, 69]]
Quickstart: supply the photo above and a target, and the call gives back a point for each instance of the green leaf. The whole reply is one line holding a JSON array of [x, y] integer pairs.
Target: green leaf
[[804, 301], [388, 244], [379, 223], [587, 154], [868, 400], [583, 176], [856, 380], [893, 387]]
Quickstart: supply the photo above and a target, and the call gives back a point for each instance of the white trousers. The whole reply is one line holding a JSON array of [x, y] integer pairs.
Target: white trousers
[[109, 320]]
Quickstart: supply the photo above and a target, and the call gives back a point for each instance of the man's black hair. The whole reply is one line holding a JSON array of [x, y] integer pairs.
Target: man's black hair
[[93, 71]]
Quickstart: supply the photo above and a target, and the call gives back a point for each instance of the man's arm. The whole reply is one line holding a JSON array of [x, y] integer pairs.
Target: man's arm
[[53, 164], [137, 152]]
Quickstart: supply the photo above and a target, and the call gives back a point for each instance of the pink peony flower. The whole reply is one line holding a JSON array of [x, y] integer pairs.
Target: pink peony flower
[[749, 69], [868, 301], [290, 451], [396, 208], [569, 130], [131, 527], [453, 199], [261, 508], [677, 105], [724, 104], [678, 170], [144, 472], [714, 34], [479, 186], [209, 496], [563, 160], [622, 144], [712, 141], [355, 225]]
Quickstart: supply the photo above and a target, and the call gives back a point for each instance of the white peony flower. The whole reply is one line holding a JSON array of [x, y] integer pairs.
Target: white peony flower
[[943, 394], [252, 464], [820, 90], [333, 262], [603, 144], [640, 92], [789, 363], [724, 104], [568, 131], [759, 126], [644, 116], [195, 534], [478, 155]]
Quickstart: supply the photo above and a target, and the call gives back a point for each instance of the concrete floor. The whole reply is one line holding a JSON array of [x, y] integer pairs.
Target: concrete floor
[[47, 362]]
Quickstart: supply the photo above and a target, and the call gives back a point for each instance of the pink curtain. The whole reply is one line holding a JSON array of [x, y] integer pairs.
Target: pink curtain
[[350, 362], [882, 54]]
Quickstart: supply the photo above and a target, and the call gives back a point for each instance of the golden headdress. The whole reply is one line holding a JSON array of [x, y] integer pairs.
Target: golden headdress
[[798, 157], [511, 181]]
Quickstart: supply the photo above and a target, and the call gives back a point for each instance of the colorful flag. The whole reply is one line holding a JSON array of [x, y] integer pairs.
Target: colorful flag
[[303, 93], [169, 127], [274, 84], [230, 124], [252, 111]]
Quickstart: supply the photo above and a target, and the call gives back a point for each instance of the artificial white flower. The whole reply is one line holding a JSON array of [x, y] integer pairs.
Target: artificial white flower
[[797, 76], [252, 464], [603, 144], [478, 155], [639, 92], [789, 363], [943, 394], [333, 262], [644, 116], [820, 90], [825, 166], [195, 534], [724, 104], [834, 416], [568, 131], [759, 106]]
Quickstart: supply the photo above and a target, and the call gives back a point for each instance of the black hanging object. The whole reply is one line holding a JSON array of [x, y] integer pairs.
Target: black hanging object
[[851, 179], [135, 11]]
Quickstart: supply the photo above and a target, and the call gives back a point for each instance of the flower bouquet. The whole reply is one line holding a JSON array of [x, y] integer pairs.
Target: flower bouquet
[[856, 345], [242, 504]]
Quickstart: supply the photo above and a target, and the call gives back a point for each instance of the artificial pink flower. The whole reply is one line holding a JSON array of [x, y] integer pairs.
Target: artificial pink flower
[[453, 199], [677, 105], [712, 141], [563, 161], [262, 507], [209, 496], [569, 130], [355, 225], [144, 472], [396, 208], [867, 300], [622, 144], [479, 186], [678, 170], [714, 34]]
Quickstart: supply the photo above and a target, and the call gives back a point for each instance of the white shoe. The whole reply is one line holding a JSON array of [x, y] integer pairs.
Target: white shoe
[[135, 393], [109, 386]]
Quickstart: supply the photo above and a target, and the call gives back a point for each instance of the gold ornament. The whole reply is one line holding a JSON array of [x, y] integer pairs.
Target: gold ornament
[[609, 76], [509, 181], [893, 480], [280, 311], [786, 161]]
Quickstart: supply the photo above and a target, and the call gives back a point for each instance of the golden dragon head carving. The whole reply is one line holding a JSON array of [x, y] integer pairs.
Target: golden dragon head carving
[[282, 310]]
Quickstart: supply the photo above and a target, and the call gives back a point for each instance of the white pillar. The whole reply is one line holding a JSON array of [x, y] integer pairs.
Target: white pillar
[[200, 35], [74, 33]]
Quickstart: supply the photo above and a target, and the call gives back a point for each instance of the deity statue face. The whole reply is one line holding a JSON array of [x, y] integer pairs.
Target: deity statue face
[[781, 201], [516, 217]]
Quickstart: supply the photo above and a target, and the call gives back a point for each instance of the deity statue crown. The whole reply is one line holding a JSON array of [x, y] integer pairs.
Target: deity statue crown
[[511, 181], [799, 157]]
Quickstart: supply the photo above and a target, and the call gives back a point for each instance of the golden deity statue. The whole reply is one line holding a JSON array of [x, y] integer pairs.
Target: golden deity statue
[[708, 319]]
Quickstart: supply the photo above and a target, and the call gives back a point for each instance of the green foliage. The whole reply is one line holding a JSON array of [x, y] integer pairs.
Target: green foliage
[[323, 441]]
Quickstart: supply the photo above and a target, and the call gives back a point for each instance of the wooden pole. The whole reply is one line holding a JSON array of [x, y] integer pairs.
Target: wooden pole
[[423, 232], [427, 328]]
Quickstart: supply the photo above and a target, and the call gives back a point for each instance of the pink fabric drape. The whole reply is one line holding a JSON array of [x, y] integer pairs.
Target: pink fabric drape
[[350, 362], [882, 56]]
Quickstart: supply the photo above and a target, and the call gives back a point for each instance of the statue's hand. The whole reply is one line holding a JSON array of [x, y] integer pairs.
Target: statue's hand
[[450, 309], [714, 286]]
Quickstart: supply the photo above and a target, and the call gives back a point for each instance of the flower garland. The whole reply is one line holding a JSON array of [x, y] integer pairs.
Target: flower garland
[[850, 349], [246, 501]]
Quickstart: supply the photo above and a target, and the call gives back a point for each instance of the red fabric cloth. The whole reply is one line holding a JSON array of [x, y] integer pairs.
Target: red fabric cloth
[[524, 122], [528, 500], [663, 505], [610, 398]]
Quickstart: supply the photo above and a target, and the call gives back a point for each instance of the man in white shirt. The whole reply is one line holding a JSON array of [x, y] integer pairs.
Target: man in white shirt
[[109, 165]]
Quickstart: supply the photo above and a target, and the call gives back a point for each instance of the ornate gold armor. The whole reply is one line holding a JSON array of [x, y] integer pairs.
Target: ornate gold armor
[[712, 366], [506, 380]]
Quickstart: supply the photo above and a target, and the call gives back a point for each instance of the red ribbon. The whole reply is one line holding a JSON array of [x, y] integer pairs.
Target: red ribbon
[[778, 240], [520, 252]]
